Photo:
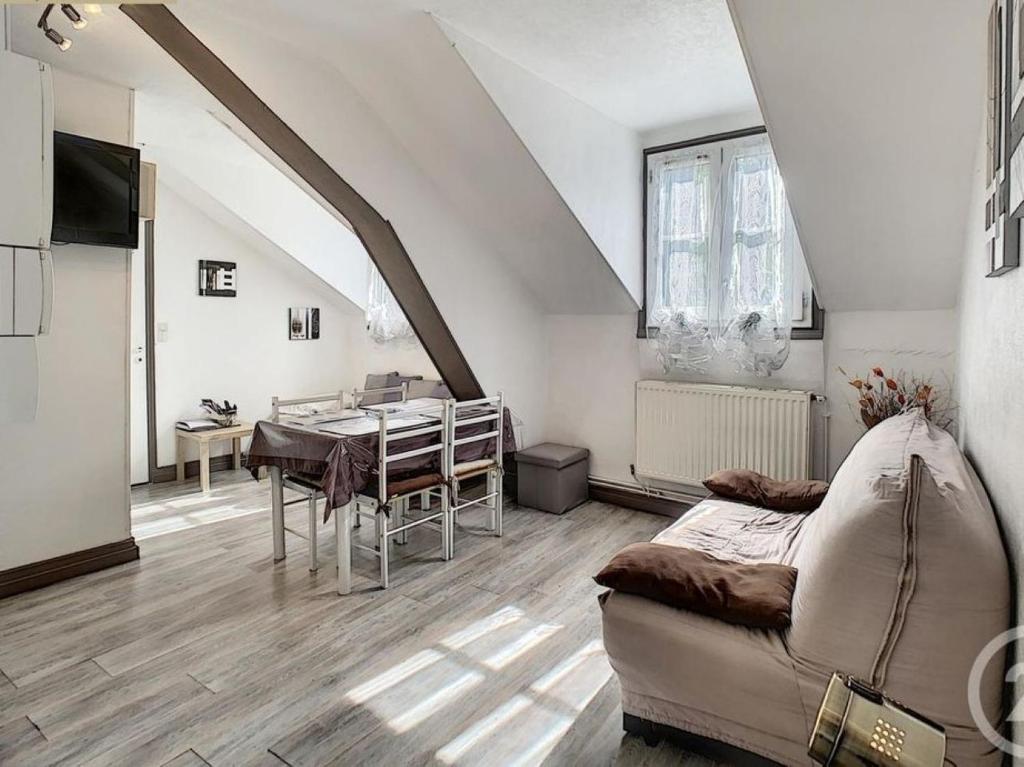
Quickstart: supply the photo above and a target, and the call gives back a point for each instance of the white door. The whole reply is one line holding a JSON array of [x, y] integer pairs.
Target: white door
[[137, 365]]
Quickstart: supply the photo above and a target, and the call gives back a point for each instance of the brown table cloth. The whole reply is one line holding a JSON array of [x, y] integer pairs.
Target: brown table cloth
[[342, 466]]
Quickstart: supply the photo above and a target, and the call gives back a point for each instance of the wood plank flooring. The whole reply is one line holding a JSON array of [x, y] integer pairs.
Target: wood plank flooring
[[207, 652]]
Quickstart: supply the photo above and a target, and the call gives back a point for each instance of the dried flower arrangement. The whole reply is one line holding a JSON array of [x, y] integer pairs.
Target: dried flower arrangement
[[881, 396]]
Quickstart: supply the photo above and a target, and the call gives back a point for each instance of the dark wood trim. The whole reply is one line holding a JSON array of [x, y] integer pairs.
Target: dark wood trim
[[714, 138], [719, 752], [170, 473], [634, 499], [376, 233], [39, 574], [817, 329], [149, 239]]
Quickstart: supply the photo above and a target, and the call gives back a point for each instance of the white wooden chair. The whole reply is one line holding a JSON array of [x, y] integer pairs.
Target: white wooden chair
[[310, 493], [489, 411], [299, 406], [387, 500], [378, 395]]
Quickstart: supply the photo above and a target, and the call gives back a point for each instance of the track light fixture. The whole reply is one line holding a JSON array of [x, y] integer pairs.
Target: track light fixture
[[76, 19], [61, 42]]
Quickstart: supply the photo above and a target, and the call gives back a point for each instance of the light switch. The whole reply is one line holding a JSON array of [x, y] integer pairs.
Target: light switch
[[6, 291], [161, 332]]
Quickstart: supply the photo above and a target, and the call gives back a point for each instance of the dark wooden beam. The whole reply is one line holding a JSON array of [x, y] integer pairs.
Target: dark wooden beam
[[376, 233]]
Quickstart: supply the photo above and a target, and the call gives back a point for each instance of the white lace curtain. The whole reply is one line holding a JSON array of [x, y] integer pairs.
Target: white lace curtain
[[720, 278], [385, 320]]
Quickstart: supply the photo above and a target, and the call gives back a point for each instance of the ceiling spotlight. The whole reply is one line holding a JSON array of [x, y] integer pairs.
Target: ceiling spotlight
[[93, 8], [76, 19], [62, 42], [52, 34]]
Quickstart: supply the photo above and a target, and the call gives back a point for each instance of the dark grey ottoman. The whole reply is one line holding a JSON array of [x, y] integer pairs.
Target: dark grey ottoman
[[553, 477]]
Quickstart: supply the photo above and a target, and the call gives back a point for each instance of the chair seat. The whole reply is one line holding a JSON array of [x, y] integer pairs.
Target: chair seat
[[307, 484], [397, 487], [472, 468]]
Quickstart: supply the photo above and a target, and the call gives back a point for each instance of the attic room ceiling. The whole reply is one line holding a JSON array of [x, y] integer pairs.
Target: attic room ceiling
[[644, 63], [875, 113]]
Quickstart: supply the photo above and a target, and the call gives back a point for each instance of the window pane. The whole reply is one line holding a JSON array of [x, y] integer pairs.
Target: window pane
[[682, 189], [757, 263]]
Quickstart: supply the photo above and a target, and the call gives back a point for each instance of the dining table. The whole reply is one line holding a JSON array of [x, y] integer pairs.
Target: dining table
[[336, 453]]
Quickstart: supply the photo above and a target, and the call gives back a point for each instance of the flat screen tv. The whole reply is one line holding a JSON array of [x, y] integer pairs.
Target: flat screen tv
[[95, 192]]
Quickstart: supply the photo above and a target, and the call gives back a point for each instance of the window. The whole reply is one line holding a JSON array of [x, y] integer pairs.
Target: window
[[722, 249], [385, 321]]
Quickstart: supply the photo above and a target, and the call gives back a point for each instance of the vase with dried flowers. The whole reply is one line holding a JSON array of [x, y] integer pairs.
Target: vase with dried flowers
[[881, 396]]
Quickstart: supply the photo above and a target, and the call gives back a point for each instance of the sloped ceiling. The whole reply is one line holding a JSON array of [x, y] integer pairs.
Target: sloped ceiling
[[243, 230], [594, 162], [390, 55], [643, 63], [192, 145], [874, 110], [405, 71]]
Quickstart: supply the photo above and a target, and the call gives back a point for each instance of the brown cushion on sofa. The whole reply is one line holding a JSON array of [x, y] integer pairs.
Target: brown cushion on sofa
[[768, 493], [756, 595]]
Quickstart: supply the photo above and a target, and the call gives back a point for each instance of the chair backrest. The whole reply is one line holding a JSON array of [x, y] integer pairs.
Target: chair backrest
[[278, 404], [400, 440], [362, 397], [472, 426]]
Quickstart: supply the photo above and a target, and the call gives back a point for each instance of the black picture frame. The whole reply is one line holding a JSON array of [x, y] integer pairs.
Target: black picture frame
[[217, 278], [303, 323], [1004, 212]]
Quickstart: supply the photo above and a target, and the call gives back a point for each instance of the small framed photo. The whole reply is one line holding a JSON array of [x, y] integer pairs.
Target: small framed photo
[[304, 323], [217, 278]]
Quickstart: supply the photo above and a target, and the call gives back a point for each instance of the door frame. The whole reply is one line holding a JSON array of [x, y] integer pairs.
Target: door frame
[[148, 242]]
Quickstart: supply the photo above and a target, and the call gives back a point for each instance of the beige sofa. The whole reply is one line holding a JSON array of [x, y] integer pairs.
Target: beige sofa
[[902, 577]]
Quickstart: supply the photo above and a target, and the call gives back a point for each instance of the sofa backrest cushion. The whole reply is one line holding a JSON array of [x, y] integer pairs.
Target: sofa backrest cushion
[[903, 576]]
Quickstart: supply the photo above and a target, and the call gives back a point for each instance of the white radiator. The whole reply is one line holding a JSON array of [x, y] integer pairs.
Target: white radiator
[[684, 432]]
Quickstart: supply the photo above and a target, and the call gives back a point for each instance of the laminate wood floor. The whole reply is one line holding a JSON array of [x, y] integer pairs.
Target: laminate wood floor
[[207, 652]]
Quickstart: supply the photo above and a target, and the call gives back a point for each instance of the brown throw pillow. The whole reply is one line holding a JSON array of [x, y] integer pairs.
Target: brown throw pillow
[[768, 493], [756, 595]]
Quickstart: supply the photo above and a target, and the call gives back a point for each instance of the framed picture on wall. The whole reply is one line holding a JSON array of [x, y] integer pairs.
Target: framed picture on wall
[[303, 323], [217, 278], [1004, 203]]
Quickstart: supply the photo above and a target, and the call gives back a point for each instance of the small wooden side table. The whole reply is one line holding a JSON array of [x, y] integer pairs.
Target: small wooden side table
[[203, 439]]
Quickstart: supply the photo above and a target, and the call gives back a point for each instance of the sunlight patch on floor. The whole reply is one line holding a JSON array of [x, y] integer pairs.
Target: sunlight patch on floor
[[459, 662], [526, 728], [142, 530]]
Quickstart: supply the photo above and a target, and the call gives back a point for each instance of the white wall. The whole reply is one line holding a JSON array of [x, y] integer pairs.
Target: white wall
[[988, 379], [919, 343], [238, 348], [70, 466], [188, 142], [709, 126], [595, 363], [593, 161], [496, 319]]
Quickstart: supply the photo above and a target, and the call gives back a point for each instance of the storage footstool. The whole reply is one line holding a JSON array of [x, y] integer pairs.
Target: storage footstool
[[553, 477]]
